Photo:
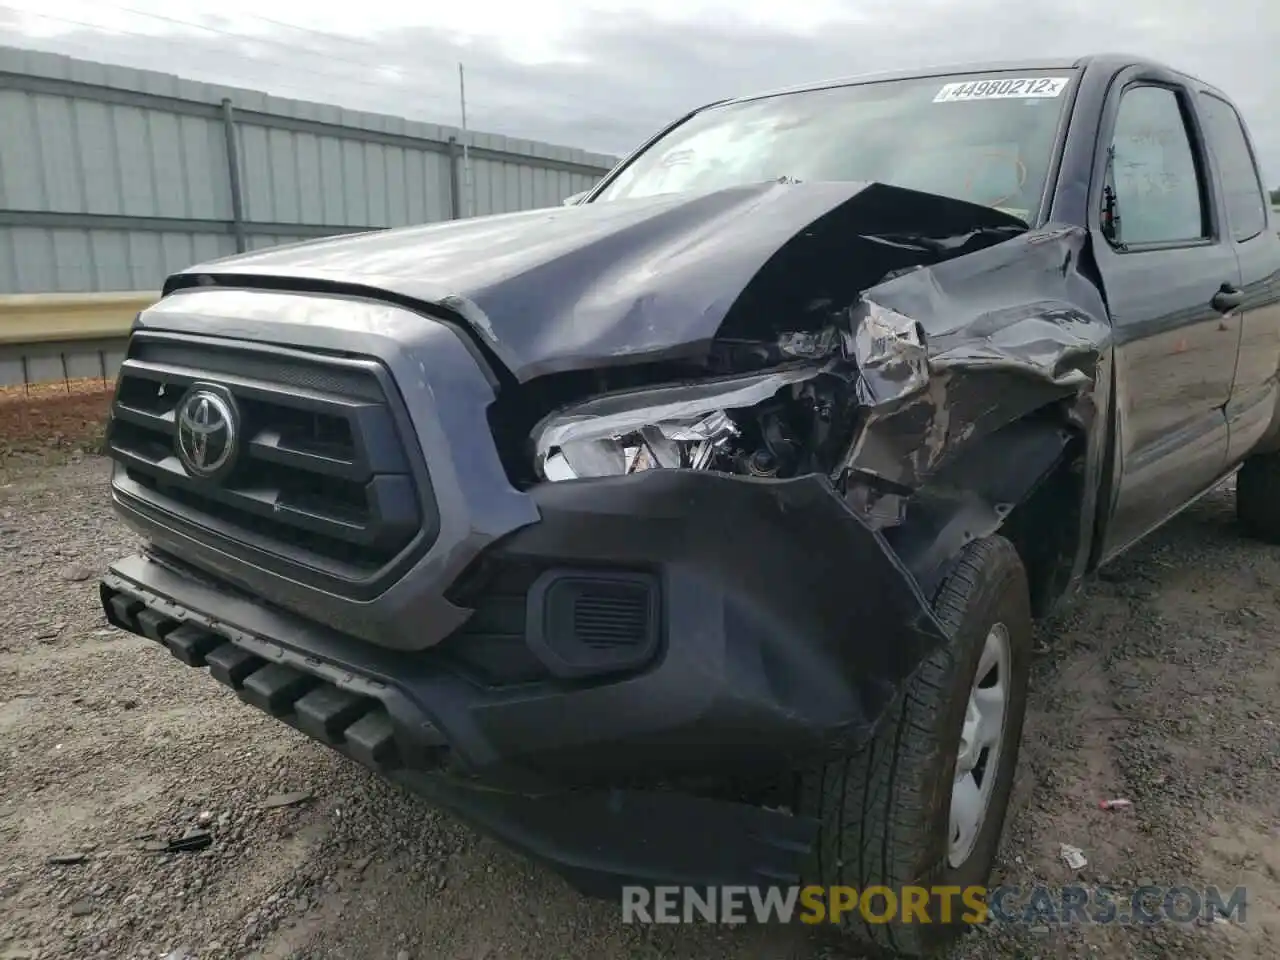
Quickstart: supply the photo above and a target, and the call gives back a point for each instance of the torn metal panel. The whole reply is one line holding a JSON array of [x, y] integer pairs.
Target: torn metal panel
[[890, 352], [973, 495], [1007, 330]]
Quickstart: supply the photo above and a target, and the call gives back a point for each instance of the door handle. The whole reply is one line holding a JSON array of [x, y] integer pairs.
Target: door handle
[[1227, 298]]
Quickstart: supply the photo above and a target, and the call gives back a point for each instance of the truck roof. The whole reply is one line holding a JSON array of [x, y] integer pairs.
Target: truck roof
[[1106, 61]]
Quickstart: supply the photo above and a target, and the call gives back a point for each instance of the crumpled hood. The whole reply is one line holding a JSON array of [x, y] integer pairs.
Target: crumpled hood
[[602, 283]]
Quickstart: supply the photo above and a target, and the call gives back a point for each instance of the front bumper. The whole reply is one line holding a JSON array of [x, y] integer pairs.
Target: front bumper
[[578, 668], [785, 629], [598, 839]]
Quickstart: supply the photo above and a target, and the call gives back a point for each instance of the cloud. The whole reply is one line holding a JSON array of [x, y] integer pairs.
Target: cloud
[[610, 77]]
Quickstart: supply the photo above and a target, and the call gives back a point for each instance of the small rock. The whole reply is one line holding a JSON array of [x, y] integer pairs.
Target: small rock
[[205, 818], [128, 704], [77, 572], [402, 955], [48, 633], [1073, 857], [81, 908]]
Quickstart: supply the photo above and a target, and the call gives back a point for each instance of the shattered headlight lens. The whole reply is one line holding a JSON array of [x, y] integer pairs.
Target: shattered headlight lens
[[678, 427], [688, 444]]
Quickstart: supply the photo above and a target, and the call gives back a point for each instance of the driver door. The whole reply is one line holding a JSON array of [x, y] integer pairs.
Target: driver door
[[1163, 256]]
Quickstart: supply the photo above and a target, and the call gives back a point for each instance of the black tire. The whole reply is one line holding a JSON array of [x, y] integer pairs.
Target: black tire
[[1258, 497], [885, 812]]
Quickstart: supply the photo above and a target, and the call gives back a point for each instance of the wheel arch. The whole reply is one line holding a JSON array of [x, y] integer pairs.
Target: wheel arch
[[1029, 481]]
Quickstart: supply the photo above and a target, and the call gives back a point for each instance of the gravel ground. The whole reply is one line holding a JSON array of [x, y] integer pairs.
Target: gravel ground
[[1156, 684]]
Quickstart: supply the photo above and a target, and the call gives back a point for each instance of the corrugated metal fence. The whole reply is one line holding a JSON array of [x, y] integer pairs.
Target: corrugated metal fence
[[113, 178]]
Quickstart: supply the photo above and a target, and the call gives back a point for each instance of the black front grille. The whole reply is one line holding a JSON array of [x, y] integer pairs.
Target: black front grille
[[322, 487]]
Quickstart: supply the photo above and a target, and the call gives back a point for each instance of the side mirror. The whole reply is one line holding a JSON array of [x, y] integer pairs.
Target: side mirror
[[571, 201]]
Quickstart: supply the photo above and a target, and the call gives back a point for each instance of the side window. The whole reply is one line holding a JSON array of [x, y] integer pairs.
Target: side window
[[1154, 187], [1241, 185]]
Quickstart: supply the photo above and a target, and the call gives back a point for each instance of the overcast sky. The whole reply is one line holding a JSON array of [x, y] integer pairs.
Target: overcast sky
[[603, 74]]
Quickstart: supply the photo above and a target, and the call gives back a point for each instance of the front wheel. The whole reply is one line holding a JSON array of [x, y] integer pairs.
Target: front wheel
[[923, 804]]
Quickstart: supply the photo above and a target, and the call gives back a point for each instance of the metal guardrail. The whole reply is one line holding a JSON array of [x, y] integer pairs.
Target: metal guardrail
[[64, 336], [30, 318]]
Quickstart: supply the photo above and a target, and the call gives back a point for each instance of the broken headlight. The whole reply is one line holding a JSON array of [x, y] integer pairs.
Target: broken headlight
[[676, 427]]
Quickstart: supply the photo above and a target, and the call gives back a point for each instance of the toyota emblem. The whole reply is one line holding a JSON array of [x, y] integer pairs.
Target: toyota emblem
[[207, 432]]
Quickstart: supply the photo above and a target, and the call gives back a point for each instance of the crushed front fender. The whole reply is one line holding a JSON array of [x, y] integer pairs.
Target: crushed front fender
[[1009, 329]]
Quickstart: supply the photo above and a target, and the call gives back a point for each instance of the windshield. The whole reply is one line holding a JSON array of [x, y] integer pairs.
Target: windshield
[[986, 138]]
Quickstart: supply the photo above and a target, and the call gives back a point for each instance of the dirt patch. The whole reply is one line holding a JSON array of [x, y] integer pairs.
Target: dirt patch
[[1156, 684], [50, 419]]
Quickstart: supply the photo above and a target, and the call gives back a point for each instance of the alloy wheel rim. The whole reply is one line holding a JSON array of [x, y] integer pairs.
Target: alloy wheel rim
[[978, 752]]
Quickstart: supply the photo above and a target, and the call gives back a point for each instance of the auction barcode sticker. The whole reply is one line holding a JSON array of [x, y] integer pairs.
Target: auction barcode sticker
[[1011, 89]]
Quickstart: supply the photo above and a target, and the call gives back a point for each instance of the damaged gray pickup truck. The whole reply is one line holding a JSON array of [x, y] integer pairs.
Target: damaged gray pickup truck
[[692, 533]]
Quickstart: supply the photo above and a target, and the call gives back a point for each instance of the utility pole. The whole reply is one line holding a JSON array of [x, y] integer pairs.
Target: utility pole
[[468, 186]]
